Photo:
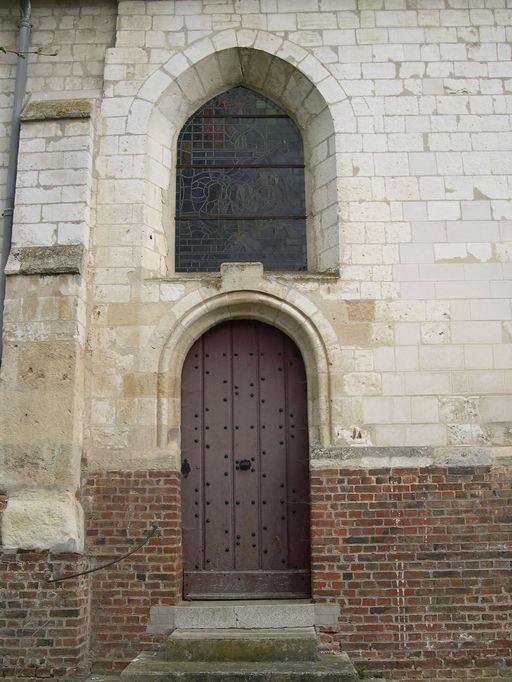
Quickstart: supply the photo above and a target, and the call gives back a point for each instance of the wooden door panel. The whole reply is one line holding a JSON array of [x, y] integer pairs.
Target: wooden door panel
[[245, 446], [245, 484], [217, 411]]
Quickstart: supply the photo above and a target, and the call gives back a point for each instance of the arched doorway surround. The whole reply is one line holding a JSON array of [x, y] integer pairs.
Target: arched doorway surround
[[295, 316]]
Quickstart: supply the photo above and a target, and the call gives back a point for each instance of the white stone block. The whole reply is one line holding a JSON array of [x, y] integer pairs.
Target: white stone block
[[406, 359], [386, 410], [481, 357], [460, 290], [441, 357], [72, 233], [501, 210], [64, 212], [432, 188], [443, 210], [483, 271], [391, 164], [192, 7], [476, 332], [424, 410], [450, 252], [138, 119], [428, 231], [37, 234], [116, 106], [426, 383], [415, 210], [418, 290], [416, 253], [402, 189], [422, 163], [472, 231], [490, 309], [154, 86], [384, 359], [502, 355], [425, 434], [392, 436]]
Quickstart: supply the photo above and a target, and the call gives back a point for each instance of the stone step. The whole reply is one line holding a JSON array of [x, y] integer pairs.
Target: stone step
[[147, 667], [265, 614], [289, 644]]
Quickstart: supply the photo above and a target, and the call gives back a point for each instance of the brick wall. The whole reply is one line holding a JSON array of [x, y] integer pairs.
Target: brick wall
[[121, 510], [419, 562], [417, 559], [43, 626]]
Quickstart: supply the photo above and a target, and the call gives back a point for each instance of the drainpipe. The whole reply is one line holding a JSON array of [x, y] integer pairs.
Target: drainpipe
[[19, 96]]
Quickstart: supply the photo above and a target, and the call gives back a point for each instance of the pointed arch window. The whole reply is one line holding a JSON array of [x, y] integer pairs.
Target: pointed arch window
[[240, 186]]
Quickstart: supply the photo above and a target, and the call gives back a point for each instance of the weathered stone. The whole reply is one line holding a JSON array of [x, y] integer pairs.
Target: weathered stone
[[28, 416], [41, 519], [38, 464], [47, 363], [459, 409], [56, 109], [290, 644], [361, 311], [329, 668], [45, 260]]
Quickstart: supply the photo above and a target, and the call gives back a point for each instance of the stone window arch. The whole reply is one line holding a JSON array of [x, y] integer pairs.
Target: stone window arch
[[240, 192], [166, 102]]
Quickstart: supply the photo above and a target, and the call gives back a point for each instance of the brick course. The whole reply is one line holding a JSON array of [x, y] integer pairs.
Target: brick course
[[121, 509], [43, 626], [419, 562]]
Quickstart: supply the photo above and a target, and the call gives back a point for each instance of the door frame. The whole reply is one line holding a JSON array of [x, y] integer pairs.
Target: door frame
[[294, 315]]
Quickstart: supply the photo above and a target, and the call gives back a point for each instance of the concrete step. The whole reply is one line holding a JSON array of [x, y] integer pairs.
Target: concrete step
[[289, 644], [266, 614], [148, 667]]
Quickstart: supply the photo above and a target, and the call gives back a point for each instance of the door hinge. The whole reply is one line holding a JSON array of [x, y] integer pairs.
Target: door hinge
[[185, 468]]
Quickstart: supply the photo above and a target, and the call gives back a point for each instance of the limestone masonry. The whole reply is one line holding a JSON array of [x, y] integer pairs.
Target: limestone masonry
[[403, 319]]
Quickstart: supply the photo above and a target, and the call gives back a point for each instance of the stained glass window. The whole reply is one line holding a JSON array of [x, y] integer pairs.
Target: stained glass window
[[240, 186]]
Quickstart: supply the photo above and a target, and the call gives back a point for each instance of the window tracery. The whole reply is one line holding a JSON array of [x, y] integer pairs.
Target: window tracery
[[240, 186]]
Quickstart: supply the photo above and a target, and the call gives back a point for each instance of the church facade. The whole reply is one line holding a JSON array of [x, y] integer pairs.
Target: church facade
[[257, 332]]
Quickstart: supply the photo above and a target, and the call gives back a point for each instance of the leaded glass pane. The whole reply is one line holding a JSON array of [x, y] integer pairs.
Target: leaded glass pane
[[241, 191], [239, 101], [240, 186], [205, 244], [236, 141]]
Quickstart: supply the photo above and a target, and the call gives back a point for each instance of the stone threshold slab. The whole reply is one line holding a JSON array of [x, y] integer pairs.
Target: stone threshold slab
[[271, 614], [254, 614]]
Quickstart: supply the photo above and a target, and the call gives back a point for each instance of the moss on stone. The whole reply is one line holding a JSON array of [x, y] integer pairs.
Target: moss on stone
[[54, 109]]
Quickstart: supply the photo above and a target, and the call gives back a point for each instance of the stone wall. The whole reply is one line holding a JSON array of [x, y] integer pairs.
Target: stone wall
[[414, 113], [78, 32]]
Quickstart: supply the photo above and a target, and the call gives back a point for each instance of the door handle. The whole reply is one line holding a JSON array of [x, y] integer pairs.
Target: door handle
[[244, 465]]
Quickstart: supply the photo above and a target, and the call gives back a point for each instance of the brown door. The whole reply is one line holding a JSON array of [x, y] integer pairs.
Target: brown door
[[245, 482]]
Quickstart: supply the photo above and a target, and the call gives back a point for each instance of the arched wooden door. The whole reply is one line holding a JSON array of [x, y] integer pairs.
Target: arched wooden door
[[245, 476]]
